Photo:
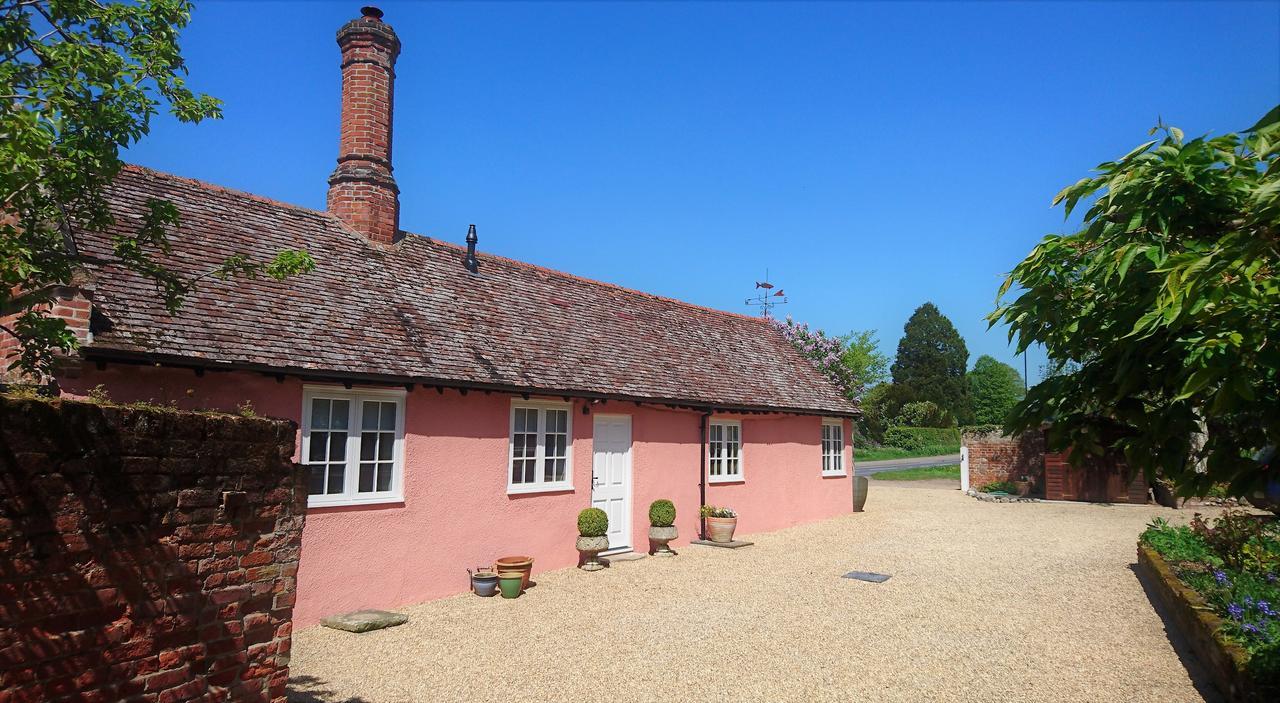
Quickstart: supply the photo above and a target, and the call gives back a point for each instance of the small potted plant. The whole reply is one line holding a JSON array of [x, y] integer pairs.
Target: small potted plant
[[1023, 486], [593, 528], [721, 522], [662, 526]]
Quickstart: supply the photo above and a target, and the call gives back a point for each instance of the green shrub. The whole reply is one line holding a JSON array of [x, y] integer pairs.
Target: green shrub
[[1178, 544], [980, 429], [999, 487], [915, 438], [662, 513], [593, 522]]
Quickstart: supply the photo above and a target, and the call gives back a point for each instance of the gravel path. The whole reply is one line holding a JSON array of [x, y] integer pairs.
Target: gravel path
[[1007, 602]]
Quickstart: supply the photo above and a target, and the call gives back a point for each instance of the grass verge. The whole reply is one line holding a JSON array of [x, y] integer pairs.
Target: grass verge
[[950, 471], [880, 453]]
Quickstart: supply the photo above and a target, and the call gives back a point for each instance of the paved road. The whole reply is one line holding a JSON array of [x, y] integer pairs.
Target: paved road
[[866, 468]]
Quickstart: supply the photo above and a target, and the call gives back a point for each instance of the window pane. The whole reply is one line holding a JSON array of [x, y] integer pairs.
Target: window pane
[[337, 446], [384, 477], [369, 415], [366, 478], [717, 433], [336, 474], [318, 442], [368, 446], [315, 482], [560, 469], [549, 471], [386, 443], [517, 472], [320, 413], [520, 420], [387, 417], [529, 467], [340, 415]]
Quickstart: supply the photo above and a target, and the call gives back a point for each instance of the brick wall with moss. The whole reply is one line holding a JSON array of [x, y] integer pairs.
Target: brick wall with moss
[[145, 554], [994, 457]]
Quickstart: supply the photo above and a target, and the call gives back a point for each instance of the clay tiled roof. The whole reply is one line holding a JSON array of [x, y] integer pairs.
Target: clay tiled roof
[[413, 313]]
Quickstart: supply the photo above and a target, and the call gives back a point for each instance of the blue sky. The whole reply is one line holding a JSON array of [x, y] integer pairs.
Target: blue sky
[[871, 156]]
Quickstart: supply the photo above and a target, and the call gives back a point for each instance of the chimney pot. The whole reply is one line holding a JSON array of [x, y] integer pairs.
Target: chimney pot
[[371, 12]]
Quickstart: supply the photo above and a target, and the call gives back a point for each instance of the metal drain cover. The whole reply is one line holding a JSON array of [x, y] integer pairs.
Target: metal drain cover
[[867, 576]]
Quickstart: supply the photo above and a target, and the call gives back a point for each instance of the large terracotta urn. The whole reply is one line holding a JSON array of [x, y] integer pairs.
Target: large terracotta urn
[[720, 529]]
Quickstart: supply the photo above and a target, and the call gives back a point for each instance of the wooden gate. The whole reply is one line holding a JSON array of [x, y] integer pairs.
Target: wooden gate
[[1097, 481]]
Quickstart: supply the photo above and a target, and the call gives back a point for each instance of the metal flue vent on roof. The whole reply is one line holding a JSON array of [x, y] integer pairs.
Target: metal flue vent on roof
[[470, 259]]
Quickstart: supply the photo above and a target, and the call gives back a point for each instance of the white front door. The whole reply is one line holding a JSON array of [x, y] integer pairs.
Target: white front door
[[611, 475]]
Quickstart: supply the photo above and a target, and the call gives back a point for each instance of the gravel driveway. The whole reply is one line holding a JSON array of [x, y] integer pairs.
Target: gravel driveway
[[988, 602]]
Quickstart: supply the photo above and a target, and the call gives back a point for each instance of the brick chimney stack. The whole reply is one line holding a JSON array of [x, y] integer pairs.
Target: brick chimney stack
[[362, 191]]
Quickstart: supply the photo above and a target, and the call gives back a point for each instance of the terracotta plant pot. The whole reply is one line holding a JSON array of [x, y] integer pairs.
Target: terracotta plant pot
[[590, 547], [510, 583], [1023, 488], [861, 484], [1162, 491], [484, 583], [720, 529], [659, 537], [522, 564]]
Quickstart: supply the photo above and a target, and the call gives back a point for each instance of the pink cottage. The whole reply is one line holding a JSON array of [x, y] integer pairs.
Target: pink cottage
[[454, 406]]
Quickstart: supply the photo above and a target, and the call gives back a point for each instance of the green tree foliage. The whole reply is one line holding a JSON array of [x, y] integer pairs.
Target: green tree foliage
[[923, 413], [1168, 303], [931, 362], [994, 388], [80, 80], [852, 362], [867, 365]]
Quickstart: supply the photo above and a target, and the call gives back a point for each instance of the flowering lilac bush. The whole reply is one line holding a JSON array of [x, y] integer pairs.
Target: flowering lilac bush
[[1234, 563], [824, 351]]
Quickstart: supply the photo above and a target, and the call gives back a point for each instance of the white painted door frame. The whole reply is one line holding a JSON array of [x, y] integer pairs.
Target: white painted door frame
[[611, 476]]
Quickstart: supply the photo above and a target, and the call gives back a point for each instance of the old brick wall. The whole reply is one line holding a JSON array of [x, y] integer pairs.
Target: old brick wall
[[995, 457], [145, 554]]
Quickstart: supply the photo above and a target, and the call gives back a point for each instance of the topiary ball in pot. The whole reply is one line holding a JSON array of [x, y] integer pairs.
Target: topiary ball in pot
[[593, 522], [593, 526], [662, 529], [662, 513]]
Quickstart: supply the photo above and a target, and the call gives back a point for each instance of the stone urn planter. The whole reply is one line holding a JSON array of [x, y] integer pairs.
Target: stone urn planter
[[593, 537], [660, 536], [591, 548], [662, 527], [1023, 488]]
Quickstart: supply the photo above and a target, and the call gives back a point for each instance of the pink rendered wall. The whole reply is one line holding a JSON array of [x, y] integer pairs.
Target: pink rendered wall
[[457, 512]]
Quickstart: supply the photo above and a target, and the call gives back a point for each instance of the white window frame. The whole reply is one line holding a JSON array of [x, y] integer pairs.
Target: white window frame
[[539, 485], [838, 424], [351, 475], [741, 475]]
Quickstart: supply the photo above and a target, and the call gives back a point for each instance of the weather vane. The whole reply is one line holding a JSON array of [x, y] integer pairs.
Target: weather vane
[[768, 299]]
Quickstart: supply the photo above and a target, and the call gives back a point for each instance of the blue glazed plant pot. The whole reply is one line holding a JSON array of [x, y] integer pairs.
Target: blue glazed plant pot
[[485, 584]]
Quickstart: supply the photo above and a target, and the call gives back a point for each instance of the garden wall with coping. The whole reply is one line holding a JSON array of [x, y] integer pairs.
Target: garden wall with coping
[[145, 554], [1224, 661], [993, 457]]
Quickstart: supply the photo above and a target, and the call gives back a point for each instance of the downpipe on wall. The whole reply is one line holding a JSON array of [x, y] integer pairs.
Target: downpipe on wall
[[702, 472]]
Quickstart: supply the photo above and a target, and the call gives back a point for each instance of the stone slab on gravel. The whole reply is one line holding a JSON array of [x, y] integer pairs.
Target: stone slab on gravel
[[365, 620], [867, 576], [1034, 603], [735, 544]]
